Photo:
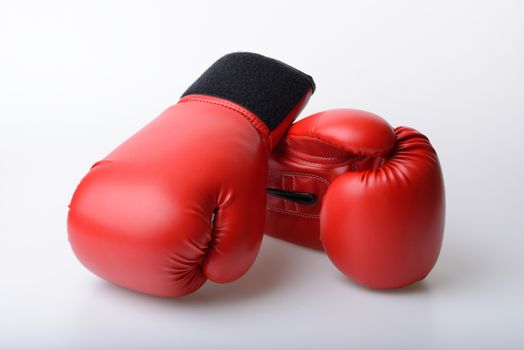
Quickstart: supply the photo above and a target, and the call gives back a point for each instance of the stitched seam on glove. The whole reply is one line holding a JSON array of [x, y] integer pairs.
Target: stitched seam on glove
[[308, 216], [254, 120], [297, 213], [326, 182], [306, 156], [337, 145]]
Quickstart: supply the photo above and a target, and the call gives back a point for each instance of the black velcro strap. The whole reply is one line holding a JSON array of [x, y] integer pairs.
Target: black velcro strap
[[267, 87]]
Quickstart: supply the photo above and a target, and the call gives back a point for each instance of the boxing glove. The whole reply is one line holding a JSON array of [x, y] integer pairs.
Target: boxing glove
[[183, 200], [371, 196]]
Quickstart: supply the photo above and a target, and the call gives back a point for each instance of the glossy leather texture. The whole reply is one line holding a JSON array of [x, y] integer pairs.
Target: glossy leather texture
[[380, 208], [181, 201], [315, 151]]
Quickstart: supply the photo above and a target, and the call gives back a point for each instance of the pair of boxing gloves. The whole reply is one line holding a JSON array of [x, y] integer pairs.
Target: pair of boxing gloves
[[189, 196]]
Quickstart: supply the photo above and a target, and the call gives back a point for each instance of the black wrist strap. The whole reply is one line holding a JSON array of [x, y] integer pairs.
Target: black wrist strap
[[267, 87]]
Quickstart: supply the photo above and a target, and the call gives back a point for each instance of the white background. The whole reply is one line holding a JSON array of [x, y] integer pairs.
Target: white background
[[76, 79]]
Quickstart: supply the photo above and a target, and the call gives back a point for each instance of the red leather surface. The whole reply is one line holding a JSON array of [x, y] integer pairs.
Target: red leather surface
[[314, 152], [180, 201], [381, 202]]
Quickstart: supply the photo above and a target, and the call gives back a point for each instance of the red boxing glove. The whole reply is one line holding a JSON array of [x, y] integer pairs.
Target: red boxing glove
[[183, 200], [370, 196]]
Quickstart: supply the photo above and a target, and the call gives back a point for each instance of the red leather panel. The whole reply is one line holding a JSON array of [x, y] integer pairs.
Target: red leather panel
[[380, 209], [313, 153], [384, 228], [180, 201]]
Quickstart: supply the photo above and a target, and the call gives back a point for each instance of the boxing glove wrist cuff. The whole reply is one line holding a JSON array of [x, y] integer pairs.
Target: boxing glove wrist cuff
[[268, 88]]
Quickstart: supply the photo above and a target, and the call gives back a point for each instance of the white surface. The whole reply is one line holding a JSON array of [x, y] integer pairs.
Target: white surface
[[77, 79]]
